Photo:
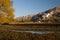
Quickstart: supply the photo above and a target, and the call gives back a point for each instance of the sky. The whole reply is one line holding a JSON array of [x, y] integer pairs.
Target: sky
[[26, 7]]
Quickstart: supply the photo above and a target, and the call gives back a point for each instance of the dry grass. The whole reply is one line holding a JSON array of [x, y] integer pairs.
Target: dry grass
[[30, 27], [10, 35]]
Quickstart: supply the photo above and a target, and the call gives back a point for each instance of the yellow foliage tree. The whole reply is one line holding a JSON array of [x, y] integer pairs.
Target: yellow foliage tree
[[6, 11], [3, 19]]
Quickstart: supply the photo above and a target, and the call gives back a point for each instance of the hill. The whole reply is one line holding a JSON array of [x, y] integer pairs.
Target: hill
[[51, 15]]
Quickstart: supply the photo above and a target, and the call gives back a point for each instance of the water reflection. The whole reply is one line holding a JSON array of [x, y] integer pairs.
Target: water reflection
[[35, 32]]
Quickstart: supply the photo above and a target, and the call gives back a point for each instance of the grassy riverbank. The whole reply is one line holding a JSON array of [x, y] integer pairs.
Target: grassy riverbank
[[32, 27], [10, 35], [7, 33]]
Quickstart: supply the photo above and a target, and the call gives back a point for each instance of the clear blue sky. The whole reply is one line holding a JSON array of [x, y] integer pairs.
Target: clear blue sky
[[25, 7]]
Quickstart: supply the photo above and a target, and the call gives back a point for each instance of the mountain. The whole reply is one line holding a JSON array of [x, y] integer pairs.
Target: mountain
[[51, 15], [26, 18]]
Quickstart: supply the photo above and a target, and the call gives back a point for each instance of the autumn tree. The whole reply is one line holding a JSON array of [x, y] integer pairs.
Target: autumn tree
[[6, 11]]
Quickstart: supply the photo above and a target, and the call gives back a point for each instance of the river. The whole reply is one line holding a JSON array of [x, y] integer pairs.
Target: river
[[33, 32]]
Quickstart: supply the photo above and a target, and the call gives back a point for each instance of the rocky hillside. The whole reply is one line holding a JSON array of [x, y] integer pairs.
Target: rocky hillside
[[26, 18], [51, 15]]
